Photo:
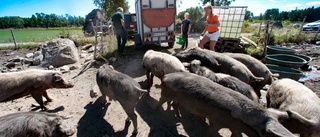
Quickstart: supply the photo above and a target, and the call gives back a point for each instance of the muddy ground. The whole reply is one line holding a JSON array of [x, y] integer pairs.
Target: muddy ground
[[96, 120]]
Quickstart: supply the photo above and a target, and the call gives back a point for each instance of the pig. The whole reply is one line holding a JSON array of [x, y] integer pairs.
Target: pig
[[206, 59], [222, 106], [120, 87], [224, 80], [158, 64], [35, 124], [33, 81], [257, 68], [302, 104], [225, 65]]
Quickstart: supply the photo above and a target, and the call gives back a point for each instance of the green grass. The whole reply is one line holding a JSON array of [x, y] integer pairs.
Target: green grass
[[27, 46], [36, 34]]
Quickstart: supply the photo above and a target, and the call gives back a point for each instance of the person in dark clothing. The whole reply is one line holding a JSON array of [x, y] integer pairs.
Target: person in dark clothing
[[119, 29], [185, 30]]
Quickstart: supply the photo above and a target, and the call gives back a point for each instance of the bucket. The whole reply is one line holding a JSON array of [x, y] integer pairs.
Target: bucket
[[280, 50], [286, 60], [180, 40], [285, 72]]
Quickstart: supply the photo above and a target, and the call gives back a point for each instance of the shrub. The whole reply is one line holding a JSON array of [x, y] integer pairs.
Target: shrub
[[256, 52], [109, 47], [286, 23]]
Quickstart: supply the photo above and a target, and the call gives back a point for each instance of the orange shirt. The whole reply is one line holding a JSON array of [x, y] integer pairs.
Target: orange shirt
[[213, 18]]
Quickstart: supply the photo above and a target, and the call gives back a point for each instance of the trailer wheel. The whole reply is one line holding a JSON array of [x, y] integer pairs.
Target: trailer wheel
[[170, 44]]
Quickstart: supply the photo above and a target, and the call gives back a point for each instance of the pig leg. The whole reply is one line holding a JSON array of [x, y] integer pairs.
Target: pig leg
[[148, 80], [131, 116], [161, 101], [45, 94], [37, 95], [175, 106], [302, 119], [104, 99]]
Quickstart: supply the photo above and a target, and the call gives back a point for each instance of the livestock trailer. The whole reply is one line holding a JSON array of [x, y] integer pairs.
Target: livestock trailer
[[155, 22]]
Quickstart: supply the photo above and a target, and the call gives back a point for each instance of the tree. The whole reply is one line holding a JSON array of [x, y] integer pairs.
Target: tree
[[195, 13], [110, 6], [272, 14], [248, 15], [218, 2]]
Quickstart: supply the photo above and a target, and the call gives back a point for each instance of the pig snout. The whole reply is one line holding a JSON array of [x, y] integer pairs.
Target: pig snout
[[69, 84], [63, 84]]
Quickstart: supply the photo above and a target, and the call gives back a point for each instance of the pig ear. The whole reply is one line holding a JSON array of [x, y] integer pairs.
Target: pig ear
[[56, 78]]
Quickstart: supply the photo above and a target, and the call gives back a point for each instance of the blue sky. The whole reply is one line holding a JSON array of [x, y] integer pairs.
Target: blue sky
[[25, 8]]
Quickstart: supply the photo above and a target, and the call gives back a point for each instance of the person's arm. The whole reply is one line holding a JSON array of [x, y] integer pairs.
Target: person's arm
[[181, 27], [123, 24], [189, 28], [217, 23], [204, 31]]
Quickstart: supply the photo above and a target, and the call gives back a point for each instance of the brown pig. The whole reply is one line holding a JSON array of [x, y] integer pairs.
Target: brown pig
[[35, 82]]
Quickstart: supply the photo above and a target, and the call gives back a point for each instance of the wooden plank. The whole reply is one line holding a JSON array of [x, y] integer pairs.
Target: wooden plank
[[14, 39]]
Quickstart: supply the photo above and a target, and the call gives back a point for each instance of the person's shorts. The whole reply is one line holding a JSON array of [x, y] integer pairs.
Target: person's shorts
[[213, 36]]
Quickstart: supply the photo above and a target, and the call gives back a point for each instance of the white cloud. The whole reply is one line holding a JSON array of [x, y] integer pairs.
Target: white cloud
[[292, 5], [313, 3]]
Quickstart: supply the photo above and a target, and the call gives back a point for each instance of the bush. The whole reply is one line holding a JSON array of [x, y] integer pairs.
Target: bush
[[64, 34], [287, 23], [110, 47], [256, 52]]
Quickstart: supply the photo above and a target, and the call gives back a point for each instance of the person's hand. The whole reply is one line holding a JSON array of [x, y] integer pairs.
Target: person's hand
[[202, 34], [206, 23]]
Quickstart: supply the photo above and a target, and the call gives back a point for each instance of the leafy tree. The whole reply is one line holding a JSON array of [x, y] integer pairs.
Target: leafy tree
[[195, 16], [195, 13], [33, 21], [248, 15], [110, 6], [218, 2]]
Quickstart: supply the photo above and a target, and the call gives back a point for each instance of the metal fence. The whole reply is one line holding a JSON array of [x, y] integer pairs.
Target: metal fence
[[231, 19]]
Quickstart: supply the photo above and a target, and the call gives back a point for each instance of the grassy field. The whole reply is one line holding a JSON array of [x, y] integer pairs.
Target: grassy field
[[36, 34]]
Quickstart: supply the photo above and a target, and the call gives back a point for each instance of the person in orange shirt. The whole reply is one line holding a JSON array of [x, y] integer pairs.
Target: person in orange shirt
[[212, 26]]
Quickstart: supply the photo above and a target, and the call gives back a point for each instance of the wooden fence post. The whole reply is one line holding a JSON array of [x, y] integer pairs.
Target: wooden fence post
[[259, 29], [101, 36], [14, 39], [266, 37], [301, 27], [95, 35]]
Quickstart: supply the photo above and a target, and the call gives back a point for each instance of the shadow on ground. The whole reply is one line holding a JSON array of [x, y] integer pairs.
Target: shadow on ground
[[92, 123]]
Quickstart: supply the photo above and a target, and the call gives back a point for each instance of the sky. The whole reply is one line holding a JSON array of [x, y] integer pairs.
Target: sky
[[25, 8]]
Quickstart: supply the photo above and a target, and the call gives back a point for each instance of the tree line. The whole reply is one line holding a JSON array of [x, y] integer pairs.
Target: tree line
[[297, 15], [41, 20]]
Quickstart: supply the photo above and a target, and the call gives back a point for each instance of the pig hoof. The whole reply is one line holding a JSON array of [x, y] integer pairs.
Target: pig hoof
[[44, 108], [128, 121], [49, 100], [135, 132]]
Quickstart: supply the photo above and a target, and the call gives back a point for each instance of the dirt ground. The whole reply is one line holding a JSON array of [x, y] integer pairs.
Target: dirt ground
[[95, 120]]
